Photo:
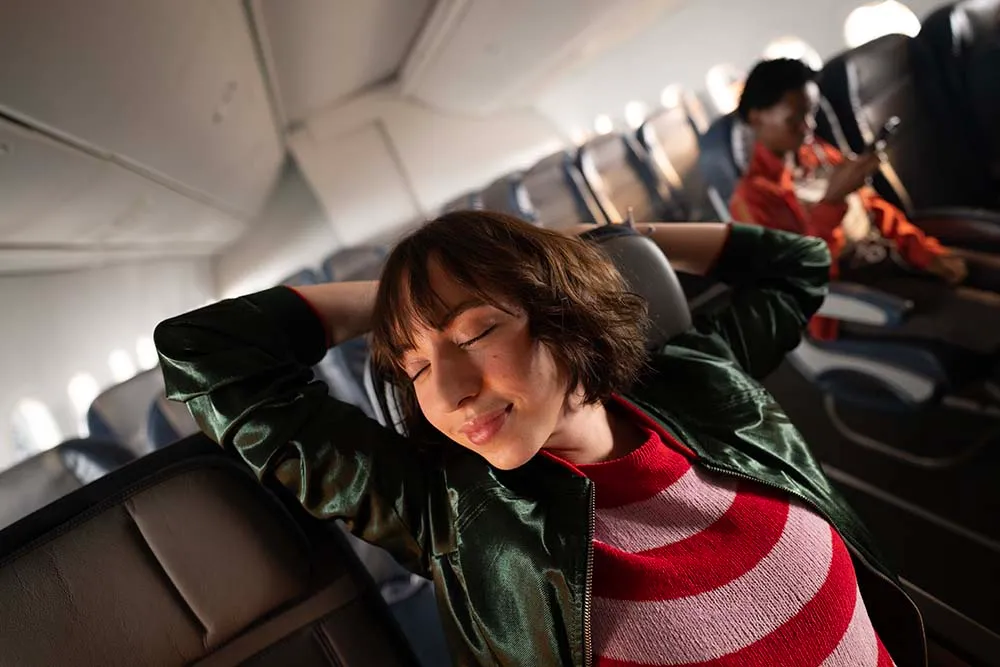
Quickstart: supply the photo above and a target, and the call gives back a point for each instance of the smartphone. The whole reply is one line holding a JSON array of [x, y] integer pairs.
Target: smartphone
[[884, 135]]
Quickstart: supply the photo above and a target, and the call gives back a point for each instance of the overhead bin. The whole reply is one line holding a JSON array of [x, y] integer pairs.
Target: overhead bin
[[483, 56], [60, 200], [170, 89]]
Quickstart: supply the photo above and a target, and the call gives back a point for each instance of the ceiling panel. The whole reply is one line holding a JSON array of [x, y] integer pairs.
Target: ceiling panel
[[481, 56], [358, 181], [322, 51], [49, 260], [171, 85], [54, 194], [37, 175]]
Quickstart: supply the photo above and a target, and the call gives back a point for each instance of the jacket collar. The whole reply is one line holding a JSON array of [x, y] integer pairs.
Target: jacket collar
[[770, 167], [765, 164]]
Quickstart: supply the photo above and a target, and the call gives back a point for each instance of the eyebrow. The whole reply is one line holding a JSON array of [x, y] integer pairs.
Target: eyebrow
[[451, 316]]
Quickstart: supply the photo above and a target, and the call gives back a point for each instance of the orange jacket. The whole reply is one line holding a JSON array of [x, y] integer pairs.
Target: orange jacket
[[766, 196]]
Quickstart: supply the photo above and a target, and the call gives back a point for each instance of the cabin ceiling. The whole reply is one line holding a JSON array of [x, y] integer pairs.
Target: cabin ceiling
[[132, 130], [319, 53]]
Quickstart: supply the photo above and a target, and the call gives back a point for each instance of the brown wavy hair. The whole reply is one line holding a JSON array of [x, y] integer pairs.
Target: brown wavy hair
[[575, 300]]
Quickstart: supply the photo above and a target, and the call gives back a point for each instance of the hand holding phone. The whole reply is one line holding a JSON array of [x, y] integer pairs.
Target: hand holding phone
[[888, 131], [850, 175]]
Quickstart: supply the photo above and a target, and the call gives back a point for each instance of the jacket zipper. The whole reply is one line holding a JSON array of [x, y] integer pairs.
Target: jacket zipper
[[588, 637], [853, 550]]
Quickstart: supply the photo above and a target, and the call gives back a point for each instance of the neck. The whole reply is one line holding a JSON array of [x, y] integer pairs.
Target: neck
[[593, 433]]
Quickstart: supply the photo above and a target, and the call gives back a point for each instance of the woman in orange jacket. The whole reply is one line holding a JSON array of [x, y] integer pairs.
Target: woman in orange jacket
[[799, 183]]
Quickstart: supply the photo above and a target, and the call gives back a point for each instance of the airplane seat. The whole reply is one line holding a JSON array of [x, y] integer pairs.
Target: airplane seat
[[726, 149], [882, 375], [616, 171], [301, 277], [671, 147], [363, 262], [963, 40], [343, 366], [167, 422], [464, 202], [508, 195], [928, 159], [558, 194], [343, 371], [43, 478], [119, 413], [183, 558]]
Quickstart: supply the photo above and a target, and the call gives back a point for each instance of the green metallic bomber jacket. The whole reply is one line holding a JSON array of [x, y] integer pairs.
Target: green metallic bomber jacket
[[510, 552]]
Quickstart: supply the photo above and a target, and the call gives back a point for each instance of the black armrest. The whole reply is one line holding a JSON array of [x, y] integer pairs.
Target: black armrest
[[850, 302], [971, 229]]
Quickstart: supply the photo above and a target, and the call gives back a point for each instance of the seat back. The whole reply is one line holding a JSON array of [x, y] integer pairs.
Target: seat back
[[649, 274], [928, 163], [963, 40], [168, 421], [343, 366], [508, 195], [119, 413], [726, 150], [362, 262], [302, 277], [182, 558], [672, 150], [558, 194], [50, 475], [614, 167], [466, 201]]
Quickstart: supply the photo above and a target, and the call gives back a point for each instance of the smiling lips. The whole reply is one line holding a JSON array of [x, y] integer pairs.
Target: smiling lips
[[480, 430]]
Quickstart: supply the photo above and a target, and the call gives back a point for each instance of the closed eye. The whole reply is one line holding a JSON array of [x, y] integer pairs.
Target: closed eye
[[465, 345], [477, 338]]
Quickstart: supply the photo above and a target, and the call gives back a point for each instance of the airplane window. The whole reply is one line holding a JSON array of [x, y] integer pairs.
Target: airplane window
[[145, 352], [82, 390], [578, 136], [603, 124], [877, 19], [33, 428], [725, 85], [635, 113], [794, 48], [671, 96], [121, 364]]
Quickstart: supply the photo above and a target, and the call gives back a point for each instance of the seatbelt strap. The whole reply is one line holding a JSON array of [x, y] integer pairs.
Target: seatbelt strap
[[273, 630]]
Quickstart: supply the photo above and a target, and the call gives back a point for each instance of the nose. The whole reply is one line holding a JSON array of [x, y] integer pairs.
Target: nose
[[458, 379]]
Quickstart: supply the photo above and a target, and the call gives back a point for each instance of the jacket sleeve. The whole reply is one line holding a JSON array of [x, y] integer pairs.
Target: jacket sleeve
[[778, 280], [758, 202], [243, 366], [914, 246]]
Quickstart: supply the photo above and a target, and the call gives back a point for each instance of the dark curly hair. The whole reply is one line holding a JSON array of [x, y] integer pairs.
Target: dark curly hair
[[768, 82], [575, 300]]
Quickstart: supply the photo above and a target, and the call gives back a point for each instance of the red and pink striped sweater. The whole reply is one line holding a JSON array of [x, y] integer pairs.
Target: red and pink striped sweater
[[691, 568]]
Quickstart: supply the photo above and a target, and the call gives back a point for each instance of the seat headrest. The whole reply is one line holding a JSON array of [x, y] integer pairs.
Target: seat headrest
[[168, 421], [649, 274], [49, 475], [558, 194], [507, 194], [726, 150], [300, 278], [357, 263], [119, 413]]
